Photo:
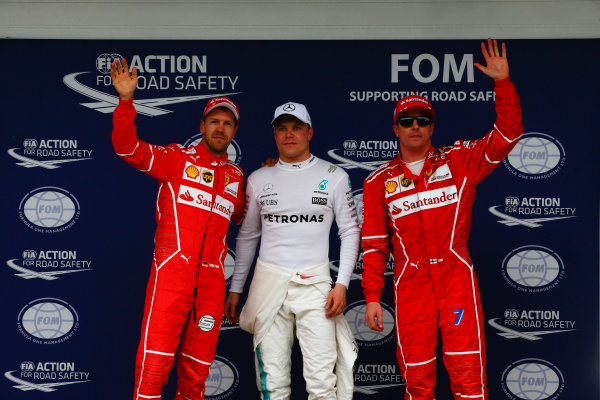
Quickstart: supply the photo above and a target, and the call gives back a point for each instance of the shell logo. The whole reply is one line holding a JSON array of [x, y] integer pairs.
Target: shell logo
[[391, 186], [192, 172]]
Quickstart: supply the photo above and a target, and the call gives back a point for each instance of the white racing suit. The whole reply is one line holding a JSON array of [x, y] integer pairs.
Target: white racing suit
[[271, 320], [291, 207]]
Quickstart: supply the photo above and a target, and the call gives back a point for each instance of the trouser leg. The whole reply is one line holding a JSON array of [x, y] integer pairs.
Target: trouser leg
[[461, 327], [416, 332], [199, 339], [169, 297], [273, 357], [316, 336]]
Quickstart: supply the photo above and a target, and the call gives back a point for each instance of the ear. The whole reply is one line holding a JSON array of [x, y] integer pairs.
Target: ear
[[396, 130], [202, 126], [310, 133]]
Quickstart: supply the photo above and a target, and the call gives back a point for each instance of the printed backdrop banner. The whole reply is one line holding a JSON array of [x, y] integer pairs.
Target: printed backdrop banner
[[79, 222]]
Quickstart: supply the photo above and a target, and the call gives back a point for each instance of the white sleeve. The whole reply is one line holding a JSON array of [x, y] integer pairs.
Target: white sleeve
[[348, 230], [246, 241]]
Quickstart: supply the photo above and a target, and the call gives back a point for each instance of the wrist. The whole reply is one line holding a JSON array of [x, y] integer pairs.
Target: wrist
[[372, 298], [502, 81]]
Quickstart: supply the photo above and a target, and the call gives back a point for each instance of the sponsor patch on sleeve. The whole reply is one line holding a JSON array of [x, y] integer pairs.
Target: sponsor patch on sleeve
[[232, 188]]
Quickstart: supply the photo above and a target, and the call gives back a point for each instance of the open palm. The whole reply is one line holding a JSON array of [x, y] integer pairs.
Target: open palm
[[125, 84], [496, 62]]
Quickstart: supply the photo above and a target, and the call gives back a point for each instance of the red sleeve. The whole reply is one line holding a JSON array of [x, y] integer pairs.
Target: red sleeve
[[240, 206], [148, 158], [480, 157], [375, 237]]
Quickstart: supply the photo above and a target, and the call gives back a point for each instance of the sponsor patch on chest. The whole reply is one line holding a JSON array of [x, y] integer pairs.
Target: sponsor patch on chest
[[398, 184], [423, 201], [440, 174], [198, 174], [203, 200], [319, 200]]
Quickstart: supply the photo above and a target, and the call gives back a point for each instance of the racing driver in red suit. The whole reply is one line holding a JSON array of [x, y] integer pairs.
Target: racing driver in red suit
[[199, 192], [421, 202]]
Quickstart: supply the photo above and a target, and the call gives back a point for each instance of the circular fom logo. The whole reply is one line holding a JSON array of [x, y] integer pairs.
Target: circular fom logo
[[223, 378], [47, 321], [49, 209], [536, 156], [532, 379], [234, 153], [533, 268], [355, 315]]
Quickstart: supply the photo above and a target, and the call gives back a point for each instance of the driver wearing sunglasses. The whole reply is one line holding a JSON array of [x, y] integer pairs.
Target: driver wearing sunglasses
[[413, 126], [421, 203]]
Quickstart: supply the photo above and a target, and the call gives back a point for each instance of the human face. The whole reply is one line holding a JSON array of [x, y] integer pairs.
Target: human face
[[414, 138], [218, 129], [292, 138]]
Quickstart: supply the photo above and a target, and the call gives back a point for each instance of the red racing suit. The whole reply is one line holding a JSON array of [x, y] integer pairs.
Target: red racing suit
[[427, 219], [198, 195]]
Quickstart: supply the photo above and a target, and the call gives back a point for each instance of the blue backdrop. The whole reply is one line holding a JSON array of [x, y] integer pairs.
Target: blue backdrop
[[79, 222]]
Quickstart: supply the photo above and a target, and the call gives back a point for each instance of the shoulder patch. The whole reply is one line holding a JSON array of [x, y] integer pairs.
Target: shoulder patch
[[378, 170], [388, 166], [236, 169]]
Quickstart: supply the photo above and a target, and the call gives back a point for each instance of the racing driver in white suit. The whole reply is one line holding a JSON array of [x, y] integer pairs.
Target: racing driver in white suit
[[292, 205]]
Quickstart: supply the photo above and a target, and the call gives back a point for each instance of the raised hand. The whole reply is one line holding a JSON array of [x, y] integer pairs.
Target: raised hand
[[124, 83], [496, 62]]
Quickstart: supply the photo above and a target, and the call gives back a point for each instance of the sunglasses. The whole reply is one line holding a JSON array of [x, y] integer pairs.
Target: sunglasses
[[407, 122]]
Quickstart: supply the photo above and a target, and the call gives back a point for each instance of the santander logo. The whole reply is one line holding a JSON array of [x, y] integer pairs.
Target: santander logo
[[423, 201]]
